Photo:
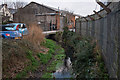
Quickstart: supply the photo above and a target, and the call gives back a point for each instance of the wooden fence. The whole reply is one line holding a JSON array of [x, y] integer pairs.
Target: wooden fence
[[104, 27]]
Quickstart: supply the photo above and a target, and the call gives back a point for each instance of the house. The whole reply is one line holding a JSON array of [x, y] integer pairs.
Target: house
[[6, 15], [0, 15], [12, 11], [70, 17], [46, 17]]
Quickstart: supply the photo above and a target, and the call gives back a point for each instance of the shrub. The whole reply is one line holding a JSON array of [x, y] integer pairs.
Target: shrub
[[81, 50], [35, 36], [58, 36]]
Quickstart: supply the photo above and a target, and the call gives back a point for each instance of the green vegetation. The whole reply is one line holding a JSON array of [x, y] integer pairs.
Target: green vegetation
[[58, 37], [33, 65], [47, 75], [55, 52], [49, 44], [58, 57], [86, 62], [102, 71], [44, 58]]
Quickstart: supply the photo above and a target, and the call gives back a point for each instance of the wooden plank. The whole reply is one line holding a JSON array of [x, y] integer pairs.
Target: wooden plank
[[103, 6], [85, 18], [97, 14], [91, 18]]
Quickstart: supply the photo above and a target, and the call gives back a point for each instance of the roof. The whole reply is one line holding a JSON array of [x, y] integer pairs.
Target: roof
[[47, 14], [65, 11], [12, 11], [44, 6], [54, 9]]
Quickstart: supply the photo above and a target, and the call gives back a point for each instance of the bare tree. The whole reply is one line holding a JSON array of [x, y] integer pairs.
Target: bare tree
[[16, 5], [19, 4], [68, 18]]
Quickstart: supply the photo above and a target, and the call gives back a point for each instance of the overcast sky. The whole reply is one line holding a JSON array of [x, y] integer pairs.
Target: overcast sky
[[81, 7]]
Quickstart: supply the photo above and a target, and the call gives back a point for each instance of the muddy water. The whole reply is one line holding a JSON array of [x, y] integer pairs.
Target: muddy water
[[64, 70]]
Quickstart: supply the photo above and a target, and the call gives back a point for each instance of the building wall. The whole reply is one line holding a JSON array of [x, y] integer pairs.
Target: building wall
[[6, 13], [1, 17], [72, 23], [28, 15], [58, 21], [62, 21]]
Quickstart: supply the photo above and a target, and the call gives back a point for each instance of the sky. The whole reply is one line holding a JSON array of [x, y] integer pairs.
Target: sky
[[80, 7]]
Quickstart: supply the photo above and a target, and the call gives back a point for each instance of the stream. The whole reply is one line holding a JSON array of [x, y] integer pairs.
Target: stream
[[64, 70]]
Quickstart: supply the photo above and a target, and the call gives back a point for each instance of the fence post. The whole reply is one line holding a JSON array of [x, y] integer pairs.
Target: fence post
[[93, 29], [118, 42], [87, 28], [101, 32], [80, 27]]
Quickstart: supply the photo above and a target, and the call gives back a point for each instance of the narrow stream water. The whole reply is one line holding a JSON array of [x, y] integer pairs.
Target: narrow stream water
[[64, 70]]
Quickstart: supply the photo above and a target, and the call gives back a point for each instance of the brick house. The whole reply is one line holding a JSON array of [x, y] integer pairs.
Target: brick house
[[46, 17]]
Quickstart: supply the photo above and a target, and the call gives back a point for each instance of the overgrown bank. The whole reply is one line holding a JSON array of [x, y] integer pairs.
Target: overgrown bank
[[55, 55], [23, 60], [85, 55]]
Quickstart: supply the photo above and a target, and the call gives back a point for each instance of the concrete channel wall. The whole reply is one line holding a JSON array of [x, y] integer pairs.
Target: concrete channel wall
[[106, 31]]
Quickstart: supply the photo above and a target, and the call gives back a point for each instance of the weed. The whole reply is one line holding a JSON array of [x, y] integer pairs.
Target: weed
[[33, 66], [49, 44], [35, 36], [59, 56], [44, 58], [47, 75], [84, 58]]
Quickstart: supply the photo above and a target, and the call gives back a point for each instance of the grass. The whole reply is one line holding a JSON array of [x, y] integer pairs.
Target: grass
[[49, 44], [47, 75], [52, 67], [58, 58], [44, 58], [55, 52], [33, 66], [101, 65]]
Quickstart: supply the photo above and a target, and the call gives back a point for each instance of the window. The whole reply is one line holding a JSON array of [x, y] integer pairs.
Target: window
[[22, 26], [9, 26], [3, 29]]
